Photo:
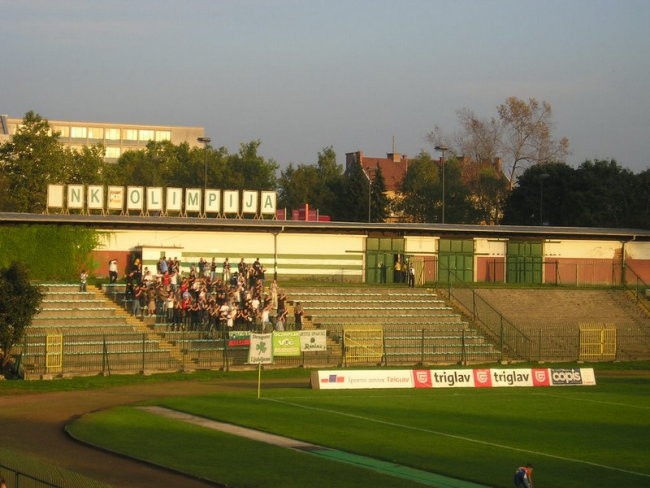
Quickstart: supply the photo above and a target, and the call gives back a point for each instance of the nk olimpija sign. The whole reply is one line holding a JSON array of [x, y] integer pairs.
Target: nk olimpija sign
[[145, 200]]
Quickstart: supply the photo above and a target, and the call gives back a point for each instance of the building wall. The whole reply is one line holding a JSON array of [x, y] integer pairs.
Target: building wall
[[490, 260], [338, 257], [116, 138]]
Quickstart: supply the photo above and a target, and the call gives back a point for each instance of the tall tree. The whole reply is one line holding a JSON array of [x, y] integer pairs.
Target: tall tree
[[520, 135], [422, 190], [354, 198], [544, 194], [19, 302], [32, 159], [527, 139], [379, 202], [248, 170], [299, 185]]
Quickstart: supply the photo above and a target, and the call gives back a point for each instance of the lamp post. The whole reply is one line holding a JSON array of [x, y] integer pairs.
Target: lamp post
[[542, 177], [205, 141], [442, 148], [369, 190]]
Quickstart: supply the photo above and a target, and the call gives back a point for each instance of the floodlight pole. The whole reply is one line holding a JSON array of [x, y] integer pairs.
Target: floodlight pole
[[442, 148]]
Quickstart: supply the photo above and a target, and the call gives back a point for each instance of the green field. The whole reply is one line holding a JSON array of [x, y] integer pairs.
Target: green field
[[596, 436]]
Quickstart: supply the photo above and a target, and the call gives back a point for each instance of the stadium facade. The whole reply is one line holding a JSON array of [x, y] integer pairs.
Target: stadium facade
[[362, 252]]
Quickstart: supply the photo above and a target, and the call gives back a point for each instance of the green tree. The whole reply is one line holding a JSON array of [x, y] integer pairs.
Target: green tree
[[85, 166], [299, 185], [422, 190], [544, 194], [19, 302], [379, 202], [354, 196], [248, 170], [490, 190], [33, 159]]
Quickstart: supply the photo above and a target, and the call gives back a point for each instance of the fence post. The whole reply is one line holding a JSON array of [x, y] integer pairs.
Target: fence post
[[422, 347], [539, 345], [501, 337], [474, 305], [143, 353], [463, 353]]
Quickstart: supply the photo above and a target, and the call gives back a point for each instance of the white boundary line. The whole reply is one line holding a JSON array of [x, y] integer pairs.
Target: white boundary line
[[459, 437]]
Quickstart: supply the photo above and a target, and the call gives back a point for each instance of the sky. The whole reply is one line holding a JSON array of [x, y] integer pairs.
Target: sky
[[302, 75]]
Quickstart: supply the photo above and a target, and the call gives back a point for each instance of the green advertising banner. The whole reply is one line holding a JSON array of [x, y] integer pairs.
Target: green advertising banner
[[286, 343]]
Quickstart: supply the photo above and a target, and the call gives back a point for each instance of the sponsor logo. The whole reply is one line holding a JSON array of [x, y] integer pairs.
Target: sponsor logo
[[452, 378], [566, 377], [482, 378], [333, 378], [422, 378], [541, 377]]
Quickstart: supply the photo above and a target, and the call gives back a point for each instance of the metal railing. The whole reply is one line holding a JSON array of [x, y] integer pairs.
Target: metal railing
[[512, 342]]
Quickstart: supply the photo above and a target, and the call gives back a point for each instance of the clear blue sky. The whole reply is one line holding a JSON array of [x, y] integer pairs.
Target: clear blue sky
[[301, 75]]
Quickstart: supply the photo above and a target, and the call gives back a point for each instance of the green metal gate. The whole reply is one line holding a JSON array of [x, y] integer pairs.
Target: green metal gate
[[456, 260], [524, 262], [381, 254]]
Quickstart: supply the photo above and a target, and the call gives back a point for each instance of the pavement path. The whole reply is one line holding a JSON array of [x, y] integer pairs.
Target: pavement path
[[34, 424]]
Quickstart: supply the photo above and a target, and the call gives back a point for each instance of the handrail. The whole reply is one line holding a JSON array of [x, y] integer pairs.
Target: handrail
[[639, 284], [511, 340]]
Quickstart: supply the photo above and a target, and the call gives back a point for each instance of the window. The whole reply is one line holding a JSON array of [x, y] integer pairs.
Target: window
[[95, 133], [112, 152], [79, 132], [130, 134], [146, 135], [163, 135], [112, 134], [64, 130]]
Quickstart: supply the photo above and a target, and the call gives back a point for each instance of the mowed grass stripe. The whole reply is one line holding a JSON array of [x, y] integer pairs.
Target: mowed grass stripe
[[467, 439], [595, 424]]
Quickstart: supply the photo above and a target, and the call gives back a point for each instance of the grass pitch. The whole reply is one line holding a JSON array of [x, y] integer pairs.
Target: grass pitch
[[595, 436]]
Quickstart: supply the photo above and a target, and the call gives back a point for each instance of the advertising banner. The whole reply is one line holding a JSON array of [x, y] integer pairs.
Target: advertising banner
[[313, 340], [452, 378], [261, 349], [286, 343], [239, 338]]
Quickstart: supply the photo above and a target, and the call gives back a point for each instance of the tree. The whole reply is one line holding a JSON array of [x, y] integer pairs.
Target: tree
[[299, 185], [32, 159], [379, 202], [84, 166], [520, 135], [19, 302], [527, 135], [489, 190], [354, 197], [248, 170], [596, 194], [544, 194], [422, 190]]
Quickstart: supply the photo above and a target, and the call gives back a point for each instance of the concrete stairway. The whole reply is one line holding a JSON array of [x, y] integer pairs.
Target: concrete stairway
[[561, 312], [98, 337]]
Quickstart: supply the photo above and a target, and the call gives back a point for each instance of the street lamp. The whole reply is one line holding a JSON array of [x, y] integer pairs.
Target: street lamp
[[369, 190], [542, 177], [442, 148], [205, 141]]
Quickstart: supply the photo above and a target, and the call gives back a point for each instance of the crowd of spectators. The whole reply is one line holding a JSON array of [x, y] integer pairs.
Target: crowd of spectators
[[212, 297]]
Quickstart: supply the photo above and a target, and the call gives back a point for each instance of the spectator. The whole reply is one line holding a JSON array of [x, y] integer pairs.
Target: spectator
[[298, 313], [281, 320], [83, 280], [112, 270]]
